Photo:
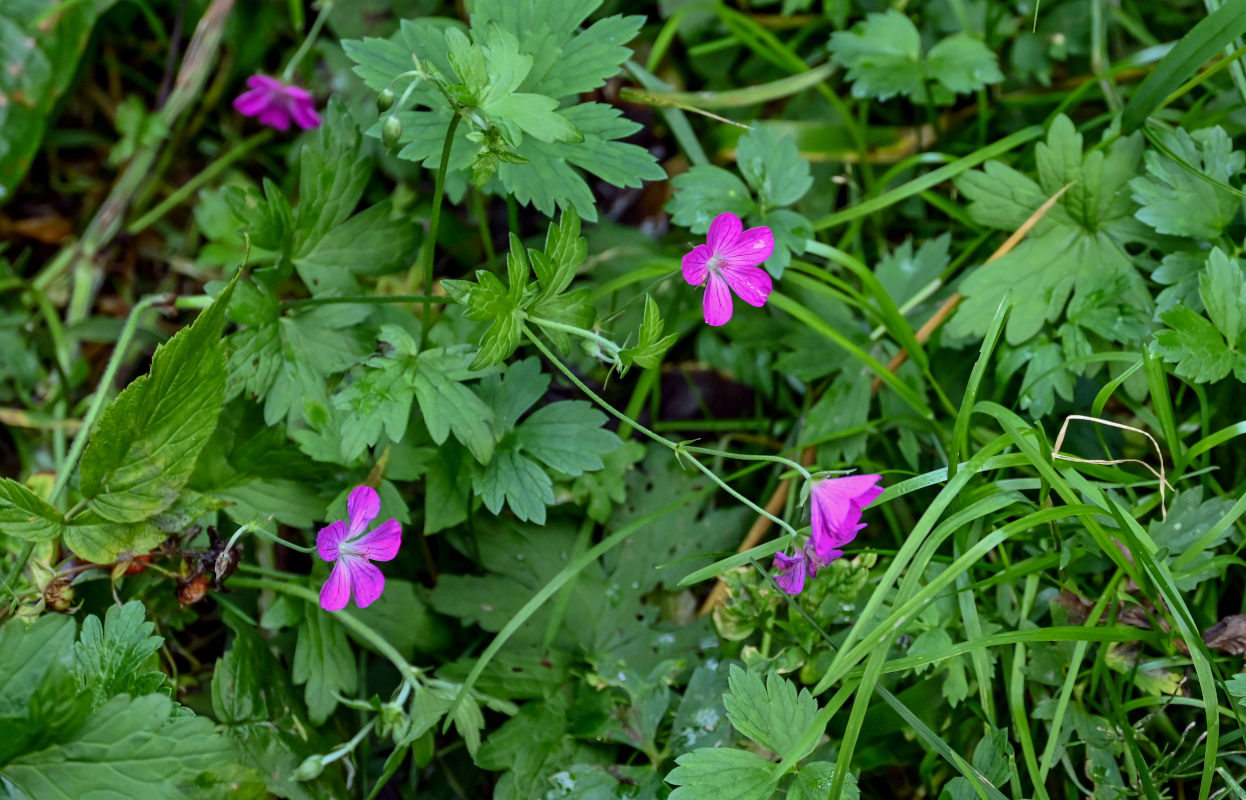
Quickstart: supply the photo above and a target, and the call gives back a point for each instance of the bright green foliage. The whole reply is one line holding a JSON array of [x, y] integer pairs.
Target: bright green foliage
[[778, 177], [565, 437], [991, 760], [1183, 534], [145, 445], [774, 715], [25, 515], [1206, 351], [814, 781], [1182, 197], [114, 658], [324, 661], [513, 78], [721, 773], [653, 345], [506, 306], [1077, 247], [883, 56]]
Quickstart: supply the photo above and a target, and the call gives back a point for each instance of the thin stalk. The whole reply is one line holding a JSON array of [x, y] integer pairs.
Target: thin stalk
[[434, 219], [288, 73], [205, 175]]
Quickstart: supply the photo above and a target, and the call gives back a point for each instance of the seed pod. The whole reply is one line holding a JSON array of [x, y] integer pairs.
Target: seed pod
[[385, 100], [391, 130]]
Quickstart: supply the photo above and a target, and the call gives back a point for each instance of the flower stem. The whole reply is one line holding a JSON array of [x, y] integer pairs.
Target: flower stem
[[679, 449], [325, 7], [206, 174], [434, 219], [258, 529], [376, 640], [611, 349]]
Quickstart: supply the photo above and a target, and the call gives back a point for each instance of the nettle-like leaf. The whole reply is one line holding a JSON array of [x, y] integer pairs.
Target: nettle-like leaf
[[514, 77], [1076, 248], [111, 657], [884, 58], [1206, 350], [1183, 199], [145, 445], [778, 177], [566, 437], [774, 715]]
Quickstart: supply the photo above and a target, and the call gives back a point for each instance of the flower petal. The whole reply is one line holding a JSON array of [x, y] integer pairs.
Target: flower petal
[[826, 548], [329, 540], [752, 284], [749, 248], [724, 231], [297, 94], [717, 302], [275, 117], [335, 593], [367, 580], [361, 508], [305, 115], [695, 269], [381, 543], [792, 570], [251, 103], [258, 81]]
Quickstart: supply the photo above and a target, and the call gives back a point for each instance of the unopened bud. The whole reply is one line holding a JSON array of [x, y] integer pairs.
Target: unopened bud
[[310, 769], [391, 130], [385, 100]]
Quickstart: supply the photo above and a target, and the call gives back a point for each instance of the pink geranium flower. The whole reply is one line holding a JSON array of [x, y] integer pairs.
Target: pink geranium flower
[[276, 103], [837, 506], [352, 552], [729, 262]]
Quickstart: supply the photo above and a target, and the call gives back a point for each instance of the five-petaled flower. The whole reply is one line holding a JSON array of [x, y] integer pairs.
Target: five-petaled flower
[[729, 262], [352, 550], [836, 517], [276, 103]]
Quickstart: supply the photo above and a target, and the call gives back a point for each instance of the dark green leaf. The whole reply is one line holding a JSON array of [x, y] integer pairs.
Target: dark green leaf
[[324, 661], [115, 658], [24, 515]]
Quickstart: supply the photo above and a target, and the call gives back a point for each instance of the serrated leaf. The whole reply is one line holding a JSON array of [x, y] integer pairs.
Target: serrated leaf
[[92, 538], [703, 193], [448, 405], [1175, 199], [814, 781], [324, 661], [721, 773], [111, 657], [652, 345], [1222, 288], [963, 64], [332, 176], [774, 715], [25, 515], [517, 481], [1196, 347], [134, 746], [146, 442], [26, 653], [773, 166], [369, 243], [567, 436]]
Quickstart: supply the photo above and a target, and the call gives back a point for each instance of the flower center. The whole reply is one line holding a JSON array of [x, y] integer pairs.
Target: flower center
[[714, 264]]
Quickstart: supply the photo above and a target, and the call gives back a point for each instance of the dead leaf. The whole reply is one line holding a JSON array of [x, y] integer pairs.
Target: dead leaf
[[1228, 635]]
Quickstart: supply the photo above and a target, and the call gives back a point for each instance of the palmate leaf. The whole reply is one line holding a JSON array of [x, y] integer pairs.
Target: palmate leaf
[[1175, 199], [774, 715], [146, 443], [111, 657], [324, 661]]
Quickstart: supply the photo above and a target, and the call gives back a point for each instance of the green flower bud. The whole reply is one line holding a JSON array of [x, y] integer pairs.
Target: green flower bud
[[385, 100], [310, 769], [391, 131]]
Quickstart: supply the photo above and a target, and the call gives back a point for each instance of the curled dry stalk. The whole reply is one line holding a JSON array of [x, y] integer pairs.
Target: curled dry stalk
[[754, 536]]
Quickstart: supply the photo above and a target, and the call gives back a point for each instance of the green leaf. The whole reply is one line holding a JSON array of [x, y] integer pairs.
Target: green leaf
[[1196, 347], [565, 252], [1222, 288], [448, 405], [146, 442], [703, 193], [332, 177], [26, 653], [370, 243], [963, 64], [111, 658], [814, 780], [403, 619], [773, 167], [93, 538], [1179, 199], [380, 397], [25, 515], [721, 773], [653, 345], [1079, 245], [567, 436], [515, 480], [324, 661], [1181, 534], [774, 715], [133, 746]]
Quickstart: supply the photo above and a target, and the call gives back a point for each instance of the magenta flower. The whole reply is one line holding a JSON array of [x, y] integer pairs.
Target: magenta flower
[[728, 262], [837, 506], [352, 550], [276, 103]]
